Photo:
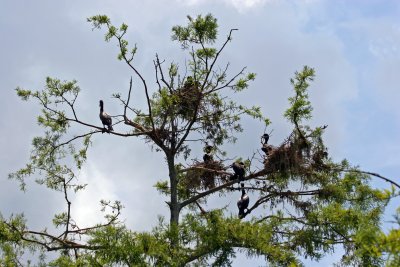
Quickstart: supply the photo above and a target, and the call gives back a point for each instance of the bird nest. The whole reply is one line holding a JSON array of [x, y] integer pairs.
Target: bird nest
[[188, 97], [162, 134], [296, 155], [204, 175]]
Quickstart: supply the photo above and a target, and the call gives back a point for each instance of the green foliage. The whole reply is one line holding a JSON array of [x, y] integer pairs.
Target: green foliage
[[212, 234], [12, 247], [243, 83], [49, 151], [60, 219], [384, 247], [300, 105], [206, 53], [102, 20], [308, 203], [163, 187], [201, 30]]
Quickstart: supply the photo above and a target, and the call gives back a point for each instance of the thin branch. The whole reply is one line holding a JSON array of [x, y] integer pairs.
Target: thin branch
[[141, 78], [72, 139], [221, 76], [69, 209], [229, 82], [71, 105], [205, 169], [202, 210], [217, 55], [194, 119], [257, 204], [131, 109], [376, 175], [157, 80], [218, 188], [136, 125], [129, 97], [162, 74]]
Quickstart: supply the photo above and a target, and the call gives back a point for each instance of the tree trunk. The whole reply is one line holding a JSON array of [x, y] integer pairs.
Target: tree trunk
[[174, 205]]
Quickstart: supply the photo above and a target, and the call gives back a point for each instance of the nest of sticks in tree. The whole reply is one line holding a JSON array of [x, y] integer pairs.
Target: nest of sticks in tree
[[161, 134], [188, 97], [204, 175], [296, 155]]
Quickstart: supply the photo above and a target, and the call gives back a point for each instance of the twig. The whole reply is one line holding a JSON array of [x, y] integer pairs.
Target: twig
[[218, 188], [373, 174], [129, 97]]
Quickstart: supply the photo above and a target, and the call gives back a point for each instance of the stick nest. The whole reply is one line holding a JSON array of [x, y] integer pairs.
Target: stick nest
[[188, 97], [296, 155], [204, 175]]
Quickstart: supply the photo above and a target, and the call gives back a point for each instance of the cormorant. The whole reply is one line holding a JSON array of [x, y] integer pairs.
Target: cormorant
[[264, 142], [207, 158], [265, 138], [238, 168], [105, 118], [243, 203]]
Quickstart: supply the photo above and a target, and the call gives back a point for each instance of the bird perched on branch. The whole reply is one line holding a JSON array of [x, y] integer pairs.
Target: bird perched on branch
[[243, 203], [264, 142], [238, 168], [207, 157], [264, 138], [105, 118]]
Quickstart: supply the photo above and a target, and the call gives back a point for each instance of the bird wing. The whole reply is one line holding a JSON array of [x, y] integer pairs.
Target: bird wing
[[105, 118]]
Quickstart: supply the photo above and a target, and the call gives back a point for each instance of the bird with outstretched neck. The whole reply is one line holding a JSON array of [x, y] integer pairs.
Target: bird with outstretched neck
[[208, 158], [105, 118], [243, 203], [238, 168]]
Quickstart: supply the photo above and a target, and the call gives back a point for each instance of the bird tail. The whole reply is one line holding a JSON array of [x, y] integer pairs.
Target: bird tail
[[241, 213], [110, 128], [233, 177]]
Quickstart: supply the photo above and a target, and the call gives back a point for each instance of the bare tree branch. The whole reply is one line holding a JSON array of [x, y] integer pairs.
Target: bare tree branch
[[218, 188]]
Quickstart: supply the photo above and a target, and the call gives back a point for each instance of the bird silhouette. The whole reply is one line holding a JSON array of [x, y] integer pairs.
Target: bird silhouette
[[207, 157], [243, 203], [238, 168], [105, 118]]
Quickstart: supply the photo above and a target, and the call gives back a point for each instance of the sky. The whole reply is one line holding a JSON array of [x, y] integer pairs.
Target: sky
[[354, 47]]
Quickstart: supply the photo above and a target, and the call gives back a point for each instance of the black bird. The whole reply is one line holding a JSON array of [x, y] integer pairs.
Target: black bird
[[265, 138], [238, 168], [105, 118], [264, 141], [243, 203], [207, 158]]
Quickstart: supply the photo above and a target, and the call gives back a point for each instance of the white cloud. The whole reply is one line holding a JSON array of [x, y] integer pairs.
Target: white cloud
[[243, 5], [239, 5], [191, 2], [384, 39], [86, 206]]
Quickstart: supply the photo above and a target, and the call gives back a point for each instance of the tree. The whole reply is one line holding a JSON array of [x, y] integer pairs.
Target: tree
[[308, 203]]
